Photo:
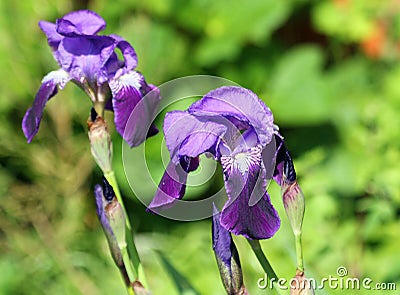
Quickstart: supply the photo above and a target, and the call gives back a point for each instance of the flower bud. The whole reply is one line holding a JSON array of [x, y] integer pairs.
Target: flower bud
[[112, 219], [227, 258], [300, 285], [101, 203], [294, 203], [100, 142]]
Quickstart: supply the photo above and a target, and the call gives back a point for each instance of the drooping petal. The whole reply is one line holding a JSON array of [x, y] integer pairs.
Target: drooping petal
[[189, 135], [133, 113], [248, 211], [33, 116], [53, 38], [81, 22], [173, 184], [129, 54], [238, 103]]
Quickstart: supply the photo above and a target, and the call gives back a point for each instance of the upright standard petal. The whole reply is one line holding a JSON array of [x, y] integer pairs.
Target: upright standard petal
[[81, 22], [86, 57], [133, 113], [33, 116], [238, 103], [248, 211], [53, 38]]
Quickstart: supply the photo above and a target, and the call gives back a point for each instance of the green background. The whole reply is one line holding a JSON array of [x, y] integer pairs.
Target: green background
[[329, 70]]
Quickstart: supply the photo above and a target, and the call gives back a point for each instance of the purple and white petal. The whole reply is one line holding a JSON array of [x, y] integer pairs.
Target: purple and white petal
[[133, 114], [248, 211], [81, 22], [238, 103], [33, 116], [189, 135]]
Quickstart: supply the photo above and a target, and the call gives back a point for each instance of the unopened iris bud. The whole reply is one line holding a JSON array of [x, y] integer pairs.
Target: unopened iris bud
[[100, 142], [300, 285], [293, 197], [116, 217], [112, 218], [294, 203], [227, 258], [101, 204]]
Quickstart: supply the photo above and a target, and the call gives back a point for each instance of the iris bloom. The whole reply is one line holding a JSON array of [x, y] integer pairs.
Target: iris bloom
[[236, 128], [90, 61]]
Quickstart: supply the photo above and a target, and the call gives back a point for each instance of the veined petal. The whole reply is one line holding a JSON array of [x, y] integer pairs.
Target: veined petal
[[173, 184], [240, 104], [248, 211], [33, 116], [81, 22], [133, 113], [53, 38], [189, 135]]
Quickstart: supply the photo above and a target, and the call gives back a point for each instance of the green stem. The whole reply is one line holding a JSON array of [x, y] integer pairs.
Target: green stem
[[256, 247], [129, 253], [299, 252]]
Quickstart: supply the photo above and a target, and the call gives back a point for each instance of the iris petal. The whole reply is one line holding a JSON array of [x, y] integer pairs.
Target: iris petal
[[129, 54], [248, 211], [133, 114], [189, 135], [172, 186], [53, 38], [85, 57], [82, 22], [33, 116], [238, 103]]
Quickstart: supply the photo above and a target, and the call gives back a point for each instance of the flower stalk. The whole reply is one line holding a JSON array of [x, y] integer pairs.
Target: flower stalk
[[263, 260], [101, 148], [293, 200]]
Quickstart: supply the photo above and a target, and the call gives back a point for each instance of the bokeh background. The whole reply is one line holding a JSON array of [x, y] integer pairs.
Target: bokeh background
[[328, 69]]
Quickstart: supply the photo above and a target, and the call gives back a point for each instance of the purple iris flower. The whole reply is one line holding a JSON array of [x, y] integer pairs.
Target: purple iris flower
[[236, 128], [90, 61]]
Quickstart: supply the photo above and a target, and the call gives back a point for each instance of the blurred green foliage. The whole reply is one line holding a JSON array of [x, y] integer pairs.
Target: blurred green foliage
[[328, 69]]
